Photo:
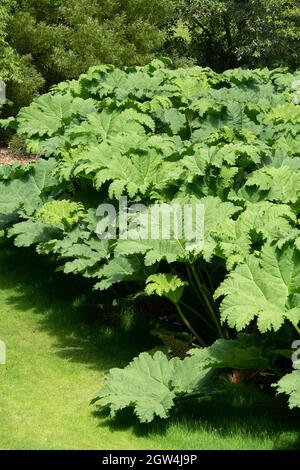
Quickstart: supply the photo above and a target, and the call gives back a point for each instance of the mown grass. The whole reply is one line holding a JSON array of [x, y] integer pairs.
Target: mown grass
[[56, 357]]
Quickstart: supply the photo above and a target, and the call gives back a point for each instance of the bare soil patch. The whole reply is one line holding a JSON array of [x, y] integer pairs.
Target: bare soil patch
[[9, 158]]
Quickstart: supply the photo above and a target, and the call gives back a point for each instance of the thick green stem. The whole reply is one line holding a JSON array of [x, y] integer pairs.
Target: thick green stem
[[210, 281], [202, 302], [211, 310], [189, 121], [198, 314], [296, 328], [194, 287], [189, 326]]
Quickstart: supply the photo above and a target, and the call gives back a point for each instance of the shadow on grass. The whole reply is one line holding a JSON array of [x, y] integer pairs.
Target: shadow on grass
[[81, 334], [247, 412], [84, 337]]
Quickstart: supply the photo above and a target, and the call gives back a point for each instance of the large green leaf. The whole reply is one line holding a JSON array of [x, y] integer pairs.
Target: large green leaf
[[26, 193], [262, 221], [290, 385], [144, 384], [152, 384], [118, 270], [32, 232], [63, 212], [276, 184], [46, 115], [265, 289], [165, 285]]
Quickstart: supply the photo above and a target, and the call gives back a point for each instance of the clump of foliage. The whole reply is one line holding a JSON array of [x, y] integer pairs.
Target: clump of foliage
[[228, 33], [160, 136]]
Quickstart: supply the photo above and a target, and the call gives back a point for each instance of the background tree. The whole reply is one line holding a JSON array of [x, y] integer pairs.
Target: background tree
[[229, 33]]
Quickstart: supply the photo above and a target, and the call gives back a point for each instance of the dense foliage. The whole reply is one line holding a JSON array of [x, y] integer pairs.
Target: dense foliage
[[228, 33], [159, 136]]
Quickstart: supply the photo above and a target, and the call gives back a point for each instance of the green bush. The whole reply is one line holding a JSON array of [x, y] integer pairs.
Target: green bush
[[66, 38]]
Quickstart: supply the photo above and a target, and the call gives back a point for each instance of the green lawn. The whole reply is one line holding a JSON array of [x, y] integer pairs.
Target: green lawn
[[56, 356]]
